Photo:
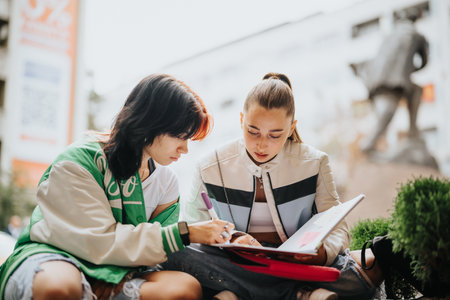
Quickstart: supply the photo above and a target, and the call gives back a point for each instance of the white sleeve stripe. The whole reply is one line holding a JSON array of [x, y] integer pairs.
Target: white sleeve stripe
[[174, 240], [169, 242], [132, 202]]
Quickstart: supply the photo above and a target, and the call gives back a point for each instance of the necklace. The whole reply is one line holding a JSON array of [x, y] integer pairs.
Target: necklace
[[261, 186]]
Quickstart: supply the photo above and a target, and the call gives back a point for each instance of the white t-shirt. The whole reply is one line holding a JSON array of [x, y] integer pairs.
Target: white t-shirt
[[261, 219], [161, 187]]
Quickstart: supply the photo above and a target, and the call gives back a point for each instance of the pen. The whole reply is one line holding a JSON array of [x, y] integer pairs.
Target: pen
[[209, 206]]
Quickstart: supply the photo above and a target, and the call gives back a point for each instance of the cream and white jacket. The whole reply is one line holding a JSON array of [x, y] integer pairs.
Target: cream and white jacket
[[298, 182]]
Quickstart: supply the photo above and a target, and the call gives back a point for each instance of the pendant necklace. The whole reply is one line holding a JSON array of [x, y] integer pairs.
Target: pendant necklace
[[261, 186]]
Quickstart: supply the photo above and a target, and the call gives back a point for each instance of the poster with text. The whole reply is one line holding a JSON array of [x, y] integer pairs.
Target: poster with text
[[42, 84]]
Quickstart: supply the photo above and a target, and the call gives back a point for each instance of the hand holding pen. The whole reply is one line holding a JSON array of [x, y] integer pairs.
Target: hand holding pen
[[211, 211], [244, 239], [210, 232], [225, 234]]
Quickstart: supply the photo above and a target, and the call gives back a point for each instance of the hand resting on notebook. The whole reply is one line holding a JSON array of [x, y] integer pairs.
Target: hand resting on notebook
[[243, 238], [319, 259]]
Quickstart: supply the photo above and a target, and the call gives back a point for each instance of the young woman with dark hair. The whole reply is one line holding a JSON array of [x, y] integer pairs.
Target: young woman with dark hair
[[107, 207], [166, 111], [269, 183]]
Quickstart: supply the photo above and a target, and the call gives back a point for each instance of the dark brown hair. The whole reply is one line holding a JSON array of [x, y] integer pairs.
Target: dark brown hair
[[274, 91], [159, 104]]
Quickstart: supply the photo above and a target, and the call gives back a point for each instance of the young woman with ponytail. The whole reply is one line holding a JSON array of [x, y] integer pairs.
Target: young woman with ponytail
[[269, 183]]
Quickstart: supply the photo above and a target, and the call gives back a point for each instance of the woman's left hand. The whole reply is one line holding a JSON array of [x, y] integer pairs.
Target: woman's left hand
[[246, 239], [318, 259]]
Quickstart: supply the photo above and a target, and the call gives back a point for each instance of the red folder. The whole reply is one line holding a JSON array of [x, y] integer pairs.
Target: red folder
[[266, 265]]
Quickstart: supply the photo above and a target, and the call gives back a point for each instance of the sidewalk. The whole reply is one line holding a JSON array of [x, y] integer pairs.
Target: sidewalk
[[379, 182]]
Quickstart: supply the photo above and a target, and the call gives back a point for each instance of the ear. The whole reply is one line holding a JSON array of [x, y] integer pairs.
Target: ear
[[293, 126], [242, 120]]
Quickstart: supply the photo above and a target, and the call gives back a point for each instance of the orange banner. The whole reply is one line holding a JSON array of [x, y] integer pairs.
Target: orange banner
[[45, 57], [28, 173], [50, 24]]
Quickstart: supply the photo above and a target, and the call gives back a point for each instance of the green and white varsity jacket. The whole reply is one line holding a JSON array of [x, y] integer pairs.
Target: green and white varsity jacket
[[84, 213], [297, 183]]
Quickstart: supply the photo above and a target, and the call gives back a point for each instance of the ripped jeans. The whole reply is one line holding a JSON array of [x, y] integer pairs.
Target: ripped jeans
[[215, 272], [20, 283]]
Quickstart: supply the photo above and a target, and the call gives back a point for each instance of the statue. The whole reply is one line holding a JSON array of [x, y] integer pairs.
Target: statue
[[387, 78]]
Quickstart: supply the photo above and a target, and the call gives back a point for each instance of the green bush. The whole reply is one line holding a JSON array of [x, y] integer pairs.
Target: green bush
[[421, 227], [366, 230], [13, 200]]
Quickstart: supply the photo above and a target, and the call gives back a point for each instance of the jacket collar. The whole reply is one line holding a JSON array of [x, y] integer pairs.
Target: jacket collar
[[254, 169]]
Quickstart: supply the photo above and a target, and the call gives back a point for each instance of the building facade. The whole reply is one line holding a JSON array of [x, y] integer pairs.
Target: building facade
[[316, 52], [4, 36], [40, 84]]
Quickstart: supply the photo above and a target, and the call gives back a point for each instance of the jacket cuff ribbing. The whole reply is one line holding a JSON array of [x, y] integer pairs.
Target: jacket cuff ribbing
[[171, 239]]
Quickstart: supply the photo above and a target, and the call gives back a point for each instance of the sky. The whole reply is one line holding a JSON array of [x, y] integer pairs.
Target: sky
[[127, 39]]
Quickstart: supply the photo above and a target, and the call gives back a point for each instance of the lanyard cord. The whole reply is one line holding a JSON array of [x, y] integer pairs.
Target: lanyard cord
[[151, 166], [224, 190]]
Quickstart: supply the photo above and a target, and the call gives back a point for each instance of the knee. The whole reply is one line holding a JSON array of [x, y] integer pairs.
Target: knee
[[51, 287], [57, 292], [185, 287], [375, 274]]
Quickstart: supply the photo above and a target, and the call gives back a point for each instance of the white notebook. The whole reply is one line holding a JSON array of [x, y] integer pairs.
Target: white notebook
[[308, 238]]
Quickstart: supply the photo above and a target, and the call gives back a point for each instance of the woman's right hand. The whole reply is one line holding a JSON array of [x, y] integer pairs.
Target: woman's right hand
[[210, 232]]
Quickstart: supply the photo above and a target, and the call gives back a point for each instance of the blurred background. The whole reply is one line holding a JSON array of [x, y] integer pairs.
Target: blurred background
[[67, 66]]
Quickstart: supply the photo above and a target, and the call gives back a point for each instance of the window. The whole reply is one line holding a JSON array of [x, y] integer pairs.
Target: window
[[421, 10], [3, 33], [366, 27], [1, 153], [2, 93]]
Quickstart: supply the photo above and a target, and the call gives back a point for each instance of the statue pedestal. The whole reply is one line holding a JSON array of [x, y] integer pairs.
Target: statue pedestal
[[412, 150], [380, 183]]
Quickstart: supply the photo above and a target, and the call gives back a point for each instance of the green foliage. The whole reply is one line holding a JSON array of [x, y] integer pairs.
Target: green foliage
[[366, 230], [13, 201], [398, 288], [421, 227]]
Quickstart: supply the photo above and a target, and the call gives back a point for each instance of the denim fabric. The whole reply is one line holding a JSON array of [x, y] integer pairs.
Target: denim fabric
[[20, 283], [350, 285], [130, 290], [214, 270]]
